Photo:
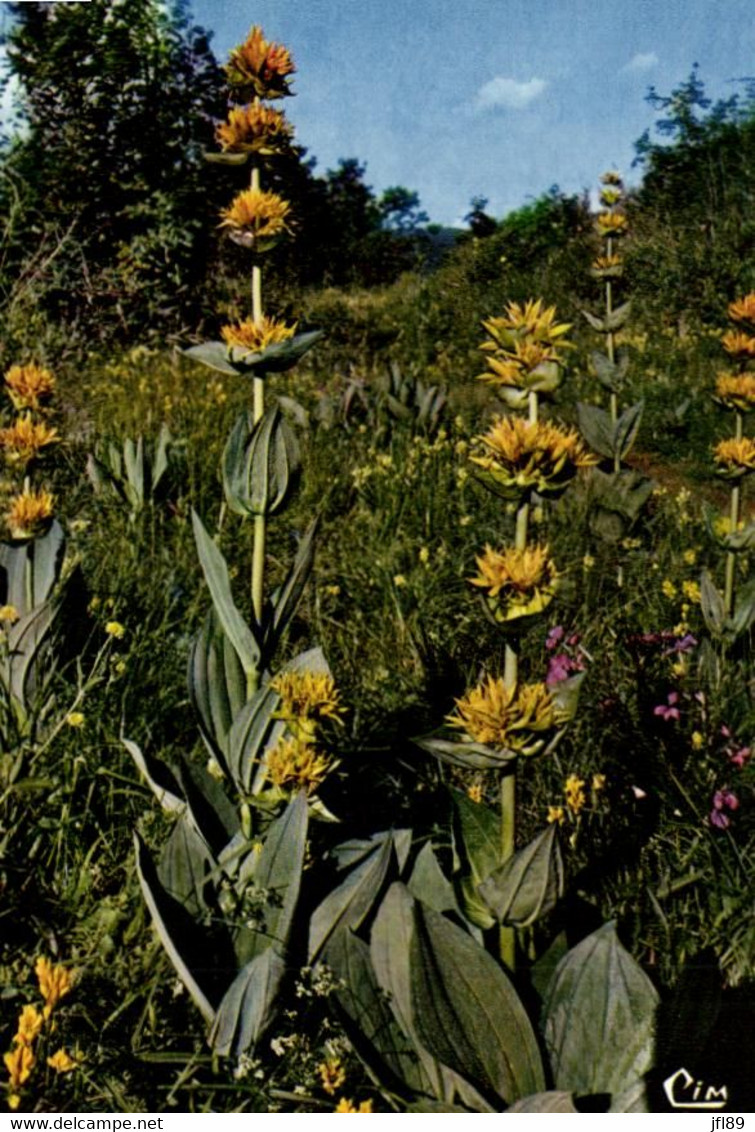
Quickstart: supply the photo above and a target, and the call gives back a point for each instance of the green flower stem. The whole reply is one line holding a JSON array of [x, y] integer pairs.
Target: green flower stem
[[734, 513], [260, 521]]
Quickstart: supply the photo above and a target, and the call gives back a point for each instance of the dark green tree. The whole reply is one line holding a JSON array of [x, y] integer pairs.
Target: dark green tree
[[400, 210], [117, 102]]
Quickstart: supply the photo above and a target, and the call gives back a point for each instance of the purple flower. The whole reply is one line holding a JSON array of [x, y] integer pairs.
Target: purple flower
[[669, 710], [681, 644], [723, 800], [554, 636], [741, 757], [561, 666]]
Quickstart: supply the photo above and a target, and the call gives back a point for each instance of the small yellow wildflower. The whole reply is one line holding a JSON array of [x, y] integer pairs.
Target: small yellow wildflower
[[697, 740], [668, 588], [588, 562], [424, 555], [54, 983], [556, 814], [574, 793], [611, 177], [30, 1023], [474, 792], [399, 580], [30, 513], [332, 1074], [75, 719], [19, 1062], [29, 386], [8, 614], [115, 629], [62, 1062], [691, 591], [690, 557], [334, 591], [598, 783], [345, 1105]]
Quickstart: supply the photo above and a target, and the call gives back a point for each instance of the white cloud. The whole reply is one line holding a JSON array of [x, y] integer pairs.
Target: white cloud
[[509, 94], [642, 61]]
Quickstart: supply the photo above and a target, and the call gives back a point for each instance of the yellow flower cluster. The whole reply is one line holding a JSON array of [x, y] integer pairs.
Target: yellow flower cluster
[[254, 129], [30, 513], [519, 457], [257, 219], [261, 66], [735, 457], [55, 982], [308, 699], [743, 310], [574, 793], [256, 336], [519, 583], [345, 1105], [23, 440], [332, 1075], [525, 347], [736, 391], [518, 718], [29, 386]]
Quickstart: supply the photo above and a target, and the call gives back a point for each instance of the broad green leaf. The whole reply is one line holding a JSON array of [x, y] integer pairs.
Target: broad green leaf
[[543, 969], [610, 374], [28, 641], [214, 355], [429, 884], [276, 871], [217, 685], [260, 464], [595, 322], [597, 428], [252, 732], [369, 1022], [350, 853], [712, 604], [185, 862], [618, 317], [160, 778], [627, 428], [31, 569], [287, 598], [275, 358], [480, 835], [213, 814], [545, 1102], [599, 1017], [529, 884], [248, 1006], [160, 459], [181, 937], [390, 945], [215, 571], [349, 904], [467, 1013], [474, 756]]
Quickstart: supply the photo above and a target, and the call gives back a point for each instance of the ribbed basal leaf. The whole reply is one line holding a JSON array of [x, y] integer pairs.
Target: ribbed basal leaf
[[215, 570], [627, 428], [27, 648], [712, 604], [160, 778], [185, 862], [31, 569], [599, 1017], [367, 1017], [597, 429], [477, 834], [467, 1013], [181, 937], [252, 732], [349, 904], [248, 1006], [276, 871], [529, 884], [429, 884], [287, 598], [217, 685], [213, 814]]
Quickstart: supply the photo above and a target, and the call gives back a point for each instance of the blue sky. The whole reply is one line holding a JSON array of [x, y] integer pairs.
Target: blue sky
[[497, 98]]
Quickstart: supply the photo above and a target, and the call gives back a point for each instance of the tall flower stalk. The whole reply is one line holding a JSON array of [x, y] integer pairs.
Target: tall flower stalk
[[735, 457], [517, 458]]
